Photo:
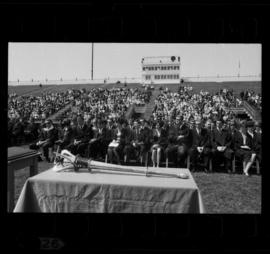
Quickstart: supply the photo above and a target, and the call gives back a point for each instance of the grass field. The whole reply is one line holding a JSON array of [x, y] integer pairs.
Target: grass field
[[197, 86], [221, 193]]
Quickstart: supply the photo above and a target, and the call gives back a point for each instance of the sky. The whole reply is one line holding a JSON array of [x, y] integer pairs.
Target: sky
[[38, 61]]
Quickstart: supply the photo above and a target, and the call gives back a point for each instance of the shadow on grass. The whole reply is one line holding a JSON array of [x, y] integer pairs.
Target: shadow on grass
[[229, 193]]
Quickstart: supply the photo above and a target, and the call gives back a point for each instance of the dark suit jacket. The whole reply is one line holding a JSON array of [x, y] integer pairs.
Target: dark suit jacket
[[187, 133], [105, 135], [67, 135], [135, 134], [128, 132], [146, 136], [202, 139], [50, 135], [81, 133], [257, 142], [239, 141], [123, 137], [162, 139], [18, 129], [221, 138], [172, 134]]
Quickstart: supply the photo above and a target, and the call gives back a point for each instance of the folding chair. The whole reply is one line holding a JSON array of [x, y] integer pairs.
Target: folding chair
[[258, 166], [187, 160], [234, 162]]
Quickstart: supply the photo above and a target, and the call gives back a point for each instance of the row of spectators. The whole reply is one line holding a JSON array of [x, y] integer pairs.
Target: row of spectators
[[252, 98], [123, 140]]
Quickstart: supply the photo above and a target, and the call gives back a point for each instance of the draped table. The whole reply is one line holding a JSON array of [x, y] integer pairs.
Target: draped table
[[109, 192]]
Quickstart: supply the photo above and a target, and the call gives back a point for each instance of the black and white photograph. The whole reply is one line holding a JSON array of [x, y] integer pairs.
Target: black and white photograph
[[134, 128]]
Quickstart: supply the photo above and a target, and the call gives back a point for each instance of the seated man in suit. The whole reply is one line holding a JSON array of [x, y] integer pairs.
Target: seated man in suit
[[145, 139], [80, 138], [66, 136], [172, 147], [102, 136], [254, 131], [201, 146], [17, 131], [257, 141], [184, 141], [244, 147], [129, 139], [46, 139], [135, 149], [119, 137], [159, 142], [31, 130], [221, 143]]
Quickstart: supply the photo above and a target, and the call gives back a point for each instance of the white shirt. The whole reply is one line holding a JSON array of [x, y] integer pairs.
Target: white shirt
[[244, 138], [251, 134]]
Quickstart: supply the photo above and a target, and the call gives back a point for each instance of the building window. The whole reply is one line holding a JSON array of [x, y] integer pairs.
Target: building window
[[155, 68], [147, 77], [143, 68], [177, 76]]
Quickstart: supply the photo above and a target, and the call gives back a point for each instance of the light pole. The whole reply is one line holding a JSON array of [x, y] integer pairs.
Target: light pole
[[92, 60], [239, 69]]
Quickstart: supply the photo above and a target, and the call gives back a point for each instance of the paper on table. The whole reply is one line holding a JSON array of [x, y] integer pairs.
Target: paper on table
[[220, 148], [245, 147]]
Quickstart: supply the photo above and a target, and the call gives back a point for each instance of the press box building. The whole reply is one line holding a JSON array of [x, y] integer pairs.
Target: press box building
[[161, 70]]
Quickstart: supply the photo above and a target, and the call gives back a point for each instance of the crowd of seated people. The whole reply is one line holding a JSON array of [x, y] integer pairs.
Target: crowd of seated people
[[184, 124], [170, 105], [252, 98], [39, 107], [107, 103], [122, 140], [217, 136], [25, 111]]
